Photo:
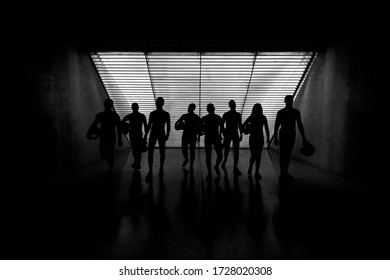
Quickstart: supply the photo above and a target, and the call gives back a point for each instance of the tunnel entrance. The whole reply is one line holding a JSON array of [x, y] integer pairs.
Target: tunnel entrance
[[182, 78]]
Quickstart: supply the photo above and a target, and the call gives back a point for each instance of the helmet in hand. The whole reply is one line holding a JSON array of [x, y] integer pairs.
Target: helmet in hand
[[307, 148], [93, 132], [179, 125], [247, 128]]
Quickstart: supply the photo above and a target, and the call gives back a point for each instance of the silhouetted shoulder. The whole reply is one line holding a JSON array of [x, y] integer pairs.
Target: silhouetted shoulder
[[100, 115]]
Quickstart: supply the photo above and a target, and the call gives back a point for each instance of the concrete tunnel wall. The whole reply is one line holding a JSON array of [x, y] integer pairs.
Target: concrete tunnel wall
[[343, 109], [58, 93]]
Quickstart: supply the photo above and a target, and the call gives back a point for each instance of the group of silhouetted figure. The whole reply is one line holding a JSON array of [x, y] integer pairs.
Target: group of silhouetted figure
[[219, 133]]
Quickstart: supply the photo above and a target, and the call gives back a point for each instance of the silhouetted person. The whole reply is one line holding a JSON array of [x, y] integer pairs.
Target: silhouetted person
[[232, 131], [190, 122], [158, 119], [212, 127], [109, 121], [286, 119], [257, 122], [136, 120]]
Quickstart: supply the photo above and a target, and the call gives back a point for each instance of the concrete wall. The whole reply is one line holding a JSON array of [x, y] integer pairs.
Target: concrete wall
[[56, 96], [343, 109]]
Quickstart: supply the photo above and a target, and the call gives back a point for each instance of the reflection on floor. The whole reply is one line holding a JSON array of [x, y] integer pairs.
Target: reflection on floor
[[89, 215]]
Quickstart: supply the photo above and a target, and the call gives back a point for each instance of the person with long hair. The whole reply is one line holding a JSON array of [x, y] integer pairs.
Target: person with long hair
[[254, 126]]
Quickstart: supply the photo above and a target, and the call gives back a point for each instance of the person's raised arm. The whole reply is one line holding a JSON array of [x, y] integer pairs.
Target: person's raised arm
[[300, 126]]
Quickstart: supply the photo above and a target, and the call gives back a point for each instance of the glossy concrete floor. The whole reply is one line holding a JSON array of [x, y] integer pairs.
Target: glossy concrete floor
[[89, 215]]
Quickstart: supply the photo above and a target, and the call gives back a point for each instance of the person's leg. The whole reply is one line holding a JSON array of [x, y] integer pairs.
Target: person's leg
[[137, 152], [286, 147], [161, 144], [208, 147], [252, 145], [218, 149], [151, 145], [259, 150], [226, 147], [102, 149], [236, 149], [133, 150], [184, 148], [192, 151], [288, 156], [110, 153], [282, 159]]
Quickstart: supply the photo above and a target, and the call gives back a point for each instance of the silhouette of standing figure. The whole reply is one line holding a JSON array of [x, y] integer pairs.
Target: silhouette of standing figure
[[256, 122], [232, 132], [212, 126], [109, 121], [157, 121], [286, 119], [190, 122], [136, 120]]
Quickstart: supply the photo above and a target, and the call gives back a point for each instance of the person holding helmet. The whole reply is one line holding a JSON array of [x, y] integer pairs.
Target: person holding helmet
[[286, 119], [189, 123], [109, 121]]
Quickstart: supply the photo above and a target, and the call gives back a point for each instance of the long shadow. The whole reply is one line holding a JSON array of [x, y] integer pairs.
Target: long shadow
[[188, 205], [157, 218], [224, 205], [256, 217]]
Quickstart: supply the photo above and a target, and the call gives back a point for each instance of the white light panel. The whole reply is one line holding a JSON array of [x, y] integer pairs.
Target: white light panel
[[201, 78]]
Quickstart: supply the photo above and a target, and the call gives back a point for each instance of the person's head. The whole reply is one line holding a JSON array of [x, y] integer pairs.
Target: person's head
[[257, 109], [210, 108], [232, 104], [191, 108], [159, 102], [289, 99], [108, 104], [135, 107]]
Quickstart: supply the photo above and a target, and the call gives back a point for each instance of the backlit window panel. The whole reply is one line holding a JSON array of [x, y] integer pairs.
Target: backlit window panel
[[201, 78]]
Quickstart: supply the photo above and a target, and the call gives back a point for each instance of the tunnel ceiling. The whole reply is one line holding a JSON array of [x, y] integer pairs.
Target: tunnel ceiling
[[182, 78]]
